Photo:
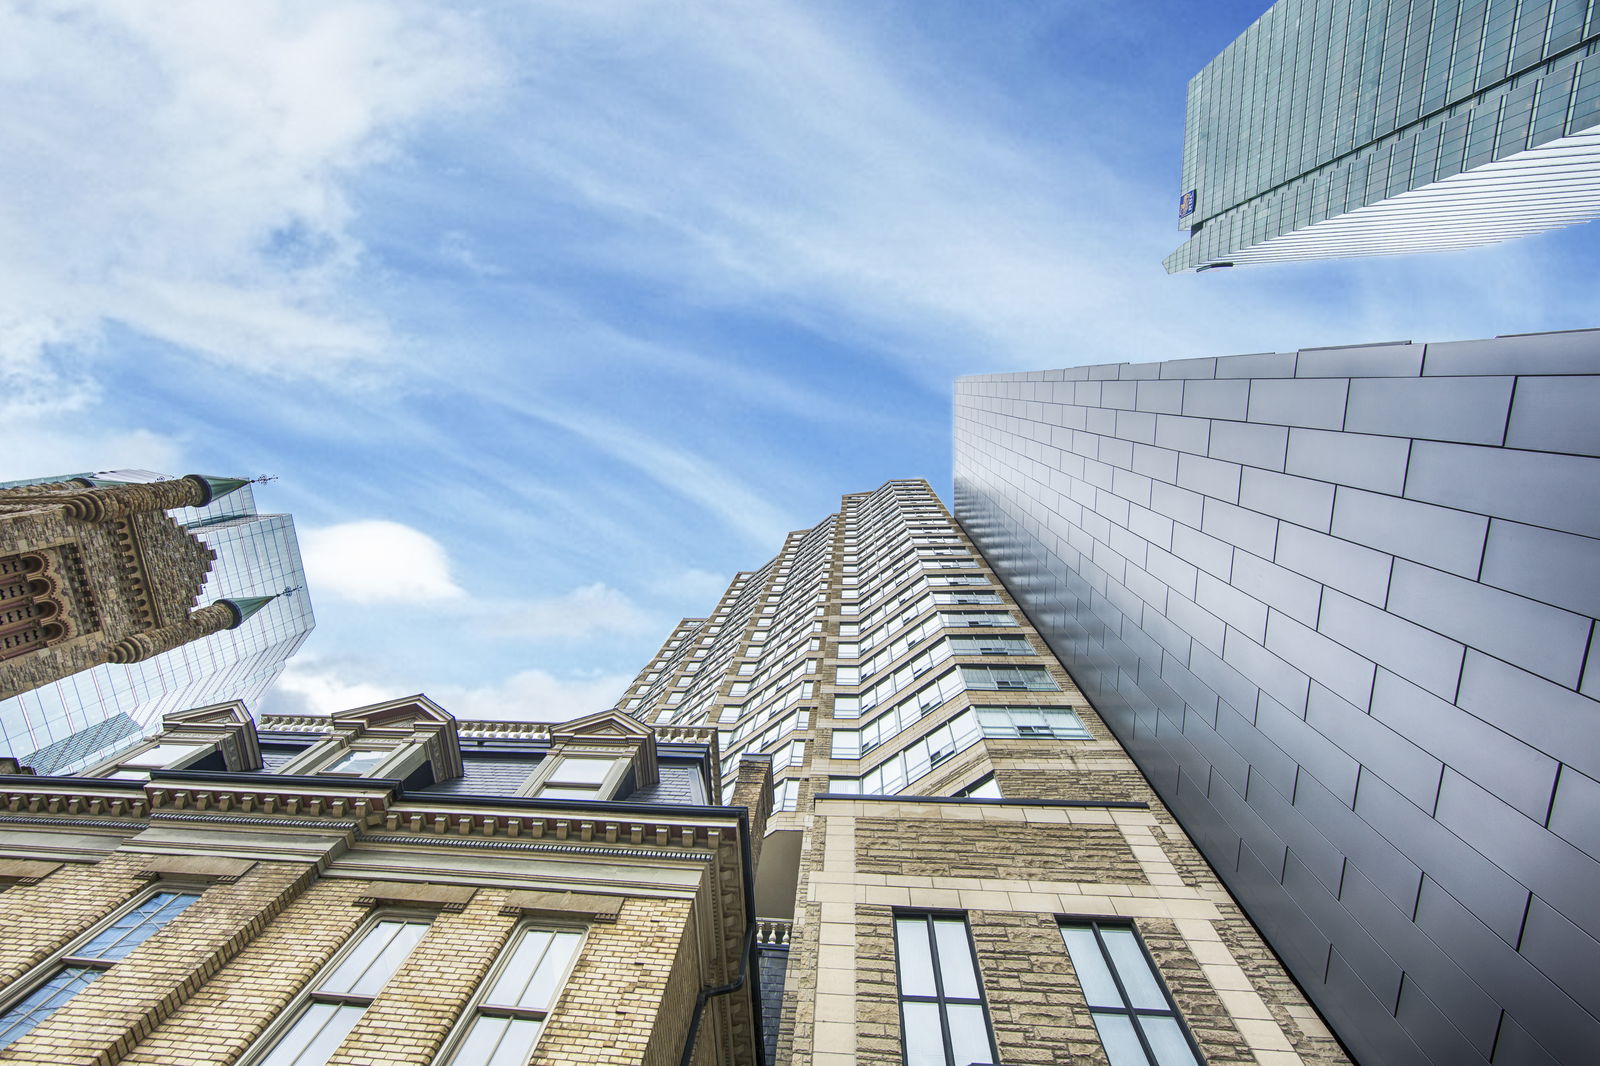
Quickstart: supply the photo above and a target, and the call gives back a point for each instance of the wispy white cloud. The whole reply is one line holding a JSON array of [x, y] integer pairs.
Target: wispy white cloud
[[376, 561], [535, 696], [178, 166], [583, 613], [324, 685], [695, 586], [308, 686]]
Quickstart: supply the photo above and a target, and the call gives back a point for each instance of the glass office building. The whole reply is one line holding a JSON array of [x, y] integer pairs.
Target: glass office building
[[60, 726], [1369, 127]]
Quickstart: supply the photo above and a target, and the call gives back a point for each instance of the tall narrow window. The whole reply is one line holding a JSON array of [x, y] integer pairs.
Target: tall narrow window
[[941, 1004], [343, 992], [1136, 1019], [80, 966], [508, 1020]]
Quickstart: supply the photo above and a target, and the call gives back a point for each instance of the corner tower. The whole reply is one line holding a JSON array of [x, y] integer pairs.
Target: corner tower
[[94, 571]]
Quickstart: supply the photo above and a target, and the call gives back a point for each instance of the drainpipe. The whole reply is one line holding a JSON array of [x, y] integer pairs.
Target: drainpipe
[[746, 957]]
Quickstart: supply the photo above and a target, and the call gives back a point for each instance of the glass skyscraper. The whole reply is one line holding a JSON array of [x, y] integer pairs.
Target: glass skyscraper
[[1368, 127], [60, 726]]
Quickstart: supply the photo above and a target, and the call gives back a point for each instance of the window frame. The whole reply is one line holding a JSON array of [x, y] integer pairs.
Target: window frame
[[475, 1008], [898, 915], [204, 747], [280, 1026], [1094, 923], [545, 773], [37, 975], [400, 758]]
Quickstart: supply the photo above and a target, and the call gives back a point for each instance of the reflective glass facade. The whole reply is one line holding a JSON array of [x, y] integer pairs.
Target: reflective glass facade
[[1365, 127], [1340, 606], [63, 725]]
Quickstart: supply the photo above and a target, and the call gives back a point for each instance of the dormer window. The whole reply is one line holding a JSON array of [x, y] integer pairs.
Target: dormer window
[[599, 757], [411, 740], [359, 763], [163, 756], [581, 777]]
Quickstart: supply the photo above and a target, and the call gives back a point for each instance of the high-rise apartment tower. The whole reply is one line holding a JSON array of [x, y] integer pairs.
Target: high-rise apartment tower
[[67, 723], [1348, 127], [974, 868], [1339, 605]]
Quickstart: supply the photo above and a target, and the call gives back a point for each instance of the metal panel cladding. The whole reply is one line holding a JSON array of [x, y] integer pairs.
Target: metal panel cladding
[[1340, 606]]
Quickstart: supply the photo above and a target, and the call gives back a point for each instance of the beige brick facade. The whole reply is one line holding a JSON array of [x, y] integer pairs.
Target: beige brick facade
[[283, 886]]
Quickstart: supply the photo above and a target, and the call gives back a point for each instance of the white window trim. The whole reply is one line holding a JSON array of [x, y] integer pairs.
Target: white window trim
[[268, 1041], [29, 982], [472, 1011]]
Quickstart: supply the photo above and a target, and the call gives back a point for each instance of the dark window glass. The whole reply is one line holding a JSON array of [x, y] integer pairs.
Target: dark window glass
[[1132, 1012], [941, 1002]]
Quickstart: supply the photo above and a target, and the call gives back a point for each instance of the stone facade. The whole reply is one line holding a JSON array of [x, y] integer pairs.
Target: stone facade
[[92, 574], [289, 871], [1012, 828]]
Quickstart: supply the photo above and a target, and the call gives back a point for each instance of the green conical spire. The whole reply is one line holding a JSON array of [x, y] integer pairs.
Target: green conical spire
[[245, 606], [221, 486], [218, 487]]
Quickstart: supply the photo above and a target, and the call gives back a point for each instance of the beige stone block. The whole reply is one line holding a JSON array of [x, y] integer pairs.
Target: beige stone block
[[1090, 904], [979, 900], [884, 896], [933, 898], [835, 1037], [1196, 908], [836, 957], [825, 892], [836, 1008], [1212, 953], [1245, 1005], [1263, 1035], [1134, 907], [1195, 931], [1227, 976], [1278, 1058]]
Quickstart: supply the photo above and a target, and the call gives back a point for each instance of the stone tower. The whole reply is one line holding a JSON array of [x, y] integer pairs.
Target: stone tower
[[963, 866], [94, 571]]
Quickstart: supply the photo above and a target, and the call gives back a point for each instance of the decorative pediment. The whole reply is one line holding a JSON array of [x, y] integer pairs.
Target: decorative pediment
[[606, 732], [600, 725], [231, 713], [411, 718], [229, 725], [404, 713]]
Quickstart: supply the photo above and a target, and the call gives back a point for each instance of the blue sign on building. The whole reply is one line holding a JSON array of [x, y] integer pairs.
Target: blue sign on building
[[1186, 204]]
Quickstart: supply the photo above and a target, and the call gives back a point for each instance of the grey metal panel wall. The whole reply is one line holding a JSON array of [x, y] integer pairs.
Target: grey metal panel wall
[[1340, 605]]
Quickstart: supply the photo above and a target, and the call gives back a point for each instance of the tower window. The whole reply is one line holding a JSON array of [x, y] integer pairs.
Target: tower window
[[1135, 1017], [942, 1013]]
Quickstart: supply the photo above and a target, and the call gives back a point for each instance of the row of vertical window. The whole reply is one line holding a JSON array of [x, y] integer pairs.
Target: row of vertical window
[[500, 1029], [996, 723], [944, 1015]]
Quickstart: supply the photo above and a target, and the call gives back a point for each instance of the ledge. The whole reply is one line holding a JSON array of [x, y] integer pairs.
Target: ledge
[[1135, 805]]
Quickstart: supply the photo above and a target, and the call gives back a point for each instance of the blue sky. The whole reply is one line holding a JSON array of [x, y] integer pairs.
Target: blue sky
[[551, 315]]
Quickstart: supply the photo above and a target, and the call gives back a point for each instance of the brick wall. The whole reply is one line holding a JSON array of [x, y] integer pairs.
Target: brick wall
[[102, 1022]]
